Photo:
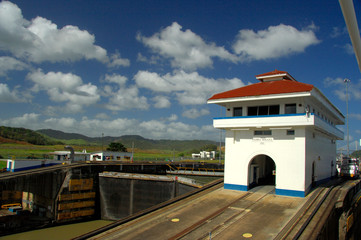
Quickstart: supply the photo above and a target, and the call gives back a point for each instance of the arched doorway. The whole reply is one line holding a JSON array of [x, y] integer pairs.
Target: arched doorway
[[261, 171]]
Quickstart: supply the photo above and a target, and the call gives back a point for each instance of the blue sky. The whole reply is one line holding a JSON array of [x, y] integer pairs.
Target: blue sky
[[148, 67]]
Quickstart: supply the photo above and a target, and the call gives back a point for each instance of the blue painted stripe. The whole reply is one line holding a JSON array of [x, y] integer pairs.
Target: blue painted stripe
[[235, 187], [282, 192], [263, 116], [279, 115], [32, 167], [291, 193]]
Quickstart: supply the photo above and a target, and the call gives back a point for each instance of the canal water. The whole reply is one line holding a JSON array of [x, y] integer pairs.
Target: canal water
[[59, 232]]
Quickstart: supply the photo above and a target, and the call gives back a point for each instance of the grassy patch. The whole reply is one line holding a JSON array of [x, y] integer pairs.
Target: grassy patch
[[3, 164], [23, 151]]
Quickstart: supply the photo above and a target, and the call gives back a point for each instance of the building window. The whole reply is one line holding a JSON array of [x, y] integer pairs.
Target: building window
[[263, 110], [262, 132], [290, 108], [252, 111], [274, 110], [290, 132], [237, 111]]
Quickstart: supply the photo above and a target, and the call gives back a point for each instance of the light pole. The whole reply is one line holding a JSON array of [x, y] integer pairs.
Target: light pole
[[347, 81], [102, 141]]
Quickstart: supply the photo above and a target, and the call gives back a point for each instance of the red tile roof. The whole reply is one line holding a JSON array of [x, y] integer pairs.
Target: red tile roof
[[272, 73], [265, 88]]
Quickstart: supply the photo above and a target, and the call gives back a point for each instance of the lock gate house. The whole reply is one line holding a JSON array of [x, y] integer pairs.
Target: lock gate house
[[278, 131]]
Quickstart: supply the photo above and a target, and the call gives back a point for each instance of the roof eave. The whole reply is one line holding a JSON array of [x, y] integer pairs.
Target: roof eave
[[259, 97]]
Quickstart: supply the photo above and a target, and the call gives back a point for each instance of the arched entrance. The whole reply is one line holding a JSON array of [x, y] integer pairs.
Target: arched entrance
[[261, 171]]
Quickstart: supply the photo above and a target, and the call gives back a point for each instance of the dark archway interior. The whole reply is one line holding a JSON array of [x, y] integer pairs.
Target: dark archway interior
[[262, 171]]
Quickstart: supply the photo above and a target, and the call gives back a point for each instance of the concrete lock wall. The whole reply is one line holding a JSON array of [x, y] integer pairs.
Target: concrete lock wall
[[121, 196]]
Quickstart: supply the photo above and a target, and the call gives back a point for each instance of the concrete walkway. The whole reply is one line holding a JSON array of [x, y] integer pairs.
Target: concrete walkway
[[215, 214]]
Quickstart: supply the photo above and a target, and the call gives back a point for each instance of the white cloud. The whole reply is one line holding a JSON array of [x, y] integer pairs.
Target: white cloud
[[122, 97], [65, 87], [355, 116], [194, 113], [186, 49], [274, 42], [189, 88], [11, 64], [152, 129], [354, 88], [173, 117], [8, 96], [41, 40], [349, 49], [161, 102], [60, 123], [116, 78], [126, 98], [102, 116], [28, 120], [333, 81], [152, 60], [116, 61]]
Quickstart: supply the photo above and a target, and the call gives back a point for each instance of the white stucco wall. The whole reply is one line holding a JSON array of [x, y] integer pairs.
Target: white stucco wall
[[321, 150], [314, 123], [288, 153]]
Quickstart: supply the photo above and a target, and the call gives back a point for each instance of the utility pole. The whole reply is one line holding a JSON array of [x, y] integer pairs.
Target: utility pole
[[347, 81], [102, 141]]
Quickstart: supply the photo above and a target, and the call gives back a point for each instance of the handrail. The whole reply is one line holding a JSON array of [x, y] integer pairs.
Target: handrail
[[7, 206]]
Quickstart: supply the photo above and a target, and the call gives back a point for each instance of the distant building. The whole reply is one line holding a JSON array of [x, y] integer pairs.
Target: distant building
[[65, 155], [204, 155], [110, 156], [278, 131], [94, 156]]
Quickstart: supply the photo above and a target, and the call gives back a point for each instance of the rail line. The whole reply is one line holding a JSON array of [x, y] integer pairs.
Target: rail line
[[308, 220], [225, 224], [298, 224]]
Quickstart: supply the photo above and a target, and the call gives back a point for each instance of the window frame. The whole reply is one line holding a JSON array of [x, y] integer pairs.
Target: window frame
[[290, 108], [263, 110], [237, 109], [290, 132], [262, 133]]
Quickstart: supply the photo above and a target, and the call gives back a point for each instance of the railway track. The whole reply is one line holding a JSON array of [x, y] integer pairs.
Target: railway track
[[213, 232], [226, 222], [294, 229]]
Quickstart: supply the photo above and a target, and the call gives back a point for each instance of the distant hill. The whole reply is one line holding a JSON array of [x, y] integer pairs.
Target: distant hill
[[24, 136], [128, 141]]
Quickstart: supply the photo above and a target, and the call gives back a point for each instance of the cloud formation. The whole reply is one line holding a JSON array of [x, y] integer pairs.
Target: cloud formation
[[8, 96], [65, 87], [186, 49], [189, 88], [154, 129], [11, 64], [194, 113], [161, 102], [40, 40], [122, 97], [354, 88], [274, 42]]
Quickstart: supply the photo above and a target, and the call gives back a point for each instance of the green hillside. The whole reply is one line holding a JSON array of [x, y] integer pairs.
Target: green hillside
[[128, 141], [25, 135]]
